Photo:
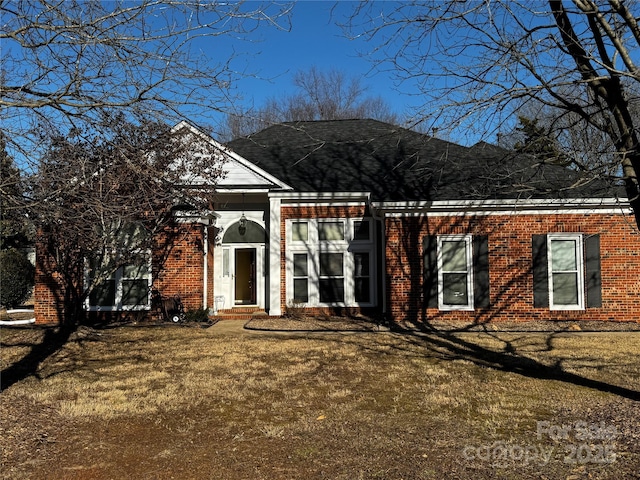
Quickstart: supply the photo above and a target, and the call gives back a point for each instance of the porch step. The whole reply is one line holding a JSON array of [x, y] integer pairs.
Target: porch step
[[240, 313]]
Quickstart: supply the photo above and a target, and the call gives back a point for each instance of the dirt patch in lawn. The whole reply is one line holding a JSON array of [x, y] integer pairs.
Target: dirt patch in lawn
[[177, 402]]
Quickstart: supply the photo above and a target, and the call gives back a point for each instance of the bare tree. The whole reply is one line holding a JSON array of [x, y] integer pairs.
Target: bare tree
[[101, 197], [85, 90], [65, 61], [319, 95], [476, 63]]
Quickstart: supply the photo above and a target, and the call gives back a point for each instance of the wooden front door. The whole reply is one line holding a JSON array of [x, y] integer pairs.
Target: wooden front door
[[245, 281]]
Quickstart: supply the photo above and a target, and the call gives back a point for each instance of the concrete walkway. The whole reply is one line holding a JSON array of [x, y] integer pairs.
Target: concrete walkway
[[229, 326]]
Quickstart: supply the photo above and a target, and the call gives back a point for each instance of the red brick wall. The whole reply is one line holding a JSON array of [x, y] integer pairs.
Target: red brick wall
[[46, 292], [510, 261], [178, 265]]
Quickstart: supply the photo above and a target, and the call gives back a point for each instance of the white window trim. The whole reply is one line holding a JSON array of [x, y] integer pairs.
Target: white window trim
[[469, 257], [118, 277], [578, 239], [314, 246]]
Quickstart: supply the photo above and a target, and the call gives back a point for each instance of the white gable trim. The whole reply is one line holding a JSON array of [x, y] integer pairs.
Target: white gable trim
[[233, 156]]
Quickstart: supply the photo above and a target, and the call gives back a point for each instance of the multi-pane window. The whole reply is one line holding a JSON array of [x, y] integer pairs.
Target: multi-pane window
[[455, 272], [126, 288], [331, 277], [330, 261], [300, 278], [565, 272]]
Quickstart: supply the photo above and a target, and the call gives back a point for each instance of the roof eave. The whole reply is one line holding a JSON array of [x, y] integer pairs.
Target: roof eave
[[507, 206]]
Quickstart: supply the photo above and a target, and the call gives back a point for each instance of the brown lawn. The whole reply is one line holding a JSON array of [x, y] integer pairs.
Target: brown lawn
[[223, 403]]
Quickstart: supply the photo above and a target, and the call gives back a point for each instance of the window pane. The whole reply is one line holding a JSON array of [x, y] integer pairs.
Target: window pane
[[361, 264], [362, 290], [300, 268], [454, 289], [300, 231], [136, 270], [331, 231], [104, 295], [563, 255], [565, 289], [361, 230], [454, 256], [225, 262], [331, 264], [135, 292], [331, 290], [301, 290]]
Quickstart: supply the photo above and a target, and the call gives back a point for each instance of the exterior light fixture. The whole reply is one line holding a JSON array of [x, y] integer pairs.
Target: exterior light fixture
[[242, 227]]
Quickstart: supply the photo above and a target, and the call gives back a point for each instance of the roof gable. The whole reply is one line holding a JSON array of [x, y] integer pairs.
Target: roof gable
[[238, 172]]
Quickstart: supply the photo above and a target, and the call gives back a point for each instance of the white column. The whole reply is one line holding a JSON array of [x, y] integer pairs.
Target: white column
[[275, 252]]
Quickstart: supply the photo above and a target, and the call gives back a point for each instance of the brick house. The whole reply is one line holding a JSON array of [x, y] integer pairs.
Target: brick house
[[355, 216]]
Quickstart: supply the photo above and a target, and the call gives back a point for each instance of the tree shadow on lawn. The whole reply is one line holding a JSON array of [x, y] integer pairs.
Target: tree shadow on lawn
[[53, 340], [452, 345]]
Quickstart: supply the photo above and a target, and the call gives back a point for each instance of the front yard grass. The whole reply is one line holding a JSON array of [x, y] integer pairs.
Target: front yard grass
[[178, 402]]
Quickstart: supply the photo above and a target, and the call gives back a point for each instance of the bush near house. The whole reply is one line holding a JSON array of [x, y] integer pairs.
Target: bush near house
[[197, 315], [16, 277]]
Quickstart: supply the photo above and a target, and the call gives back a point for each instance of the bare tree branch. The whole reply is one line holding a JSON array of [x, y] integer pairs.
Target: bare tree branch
[[329, 95], [64, 61], [477, 64]]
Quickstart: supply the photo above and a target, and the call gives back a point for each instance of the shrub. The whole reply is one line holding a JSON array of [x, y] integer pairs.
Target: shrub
[[197, 315], [16, 277], [294, 310]]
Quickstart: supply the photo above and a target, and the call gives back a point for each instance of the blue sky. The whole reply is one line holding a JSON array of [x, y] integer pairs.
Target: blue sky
[[314, 39]]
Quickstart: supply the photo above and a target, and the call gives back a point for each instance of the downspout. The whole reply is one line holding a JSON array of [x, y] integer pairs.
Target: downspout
[[206, 266]]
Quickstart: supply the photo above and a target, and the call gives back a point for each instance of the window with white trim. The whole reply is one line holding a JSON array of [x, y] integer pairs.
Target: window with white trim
[[125, 289], [300, 278], [300, 231], [455, 272], [330, 262], [565, 267], [331, 277]]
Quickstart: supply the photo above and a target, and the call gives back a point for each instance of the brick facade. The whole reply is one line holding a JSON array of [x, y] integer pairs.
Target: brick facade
[[177, 269], [181, 253], [510, 266]]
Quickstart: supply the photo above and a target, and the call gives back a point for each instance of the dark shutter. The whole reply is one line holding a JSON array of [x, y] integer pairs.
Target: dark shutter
[[540, 271], [592, 266], [481, 271], [430, 257]]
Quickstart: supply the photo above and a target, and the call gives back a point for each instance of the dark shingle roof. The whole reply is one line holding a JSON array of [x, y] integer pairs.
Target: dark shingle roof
[[396, 164]]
